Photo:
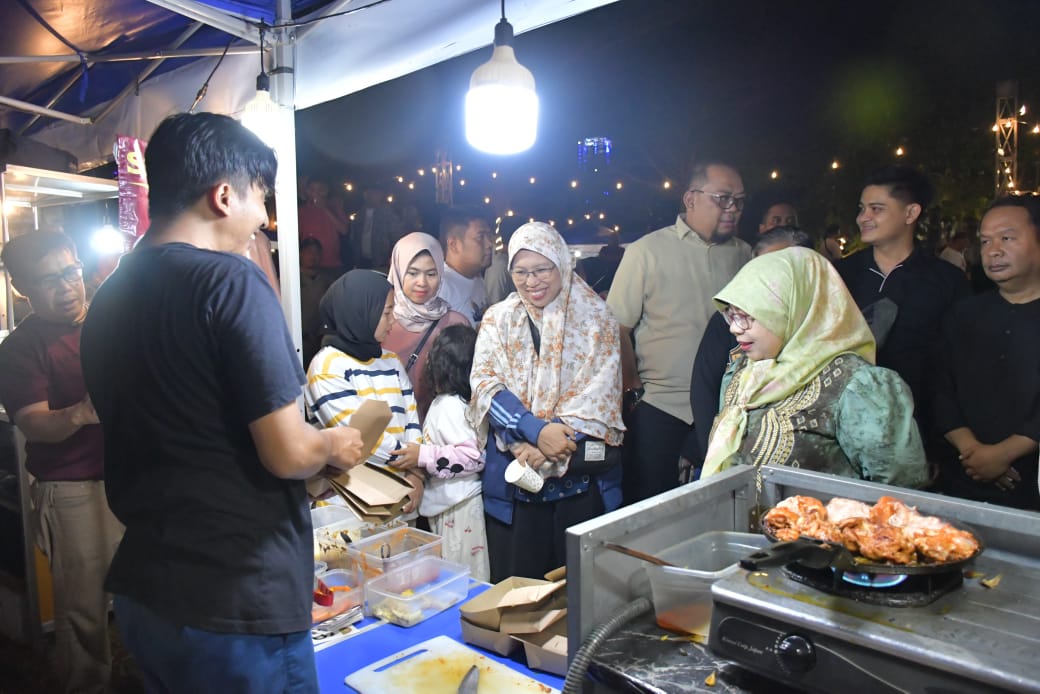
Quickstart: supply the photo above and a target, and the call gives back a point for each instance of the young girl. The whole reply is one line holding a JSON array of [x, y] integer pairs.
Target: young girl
[[451, 456], [357, 312]]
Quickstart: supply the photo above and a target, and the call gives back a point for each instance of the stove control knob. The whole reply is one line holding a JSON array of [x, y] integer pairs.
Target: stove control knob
[[796, 654]]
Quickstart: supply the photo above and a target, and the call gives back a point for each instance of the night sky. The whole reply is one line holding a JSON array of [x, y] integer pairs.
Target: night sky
[[787, 85]]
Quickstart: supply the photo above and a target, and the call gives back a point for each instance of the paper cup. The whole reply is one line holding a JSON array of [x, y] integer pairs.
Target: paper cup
[[524, 477]]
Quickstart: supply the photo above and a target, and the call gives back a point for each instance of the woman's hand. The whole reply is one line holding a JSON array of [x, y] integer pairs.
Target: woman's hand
[[528, 455], [414, 496], [406, 458], [556, 442]]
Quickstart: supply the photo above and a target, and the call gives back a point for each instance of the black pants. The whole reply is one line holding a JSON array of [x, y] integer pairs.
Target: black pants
[[653, 443], [535, 543]]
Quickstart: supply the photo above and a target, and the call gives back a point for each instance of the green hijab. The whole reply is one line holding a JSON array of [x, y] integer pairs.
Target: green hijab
[[798, 295]]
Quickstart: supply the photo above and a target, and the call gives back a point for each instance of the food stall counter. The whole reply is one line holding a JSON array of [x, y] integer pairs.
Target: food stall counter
[[376, 640]]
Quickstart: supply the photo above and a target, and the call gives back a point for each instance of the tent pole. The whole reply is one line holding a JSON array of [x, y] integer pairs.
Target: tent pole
[[214, 18], [283, 89], [127, 57], [33, 108], [143, 75]]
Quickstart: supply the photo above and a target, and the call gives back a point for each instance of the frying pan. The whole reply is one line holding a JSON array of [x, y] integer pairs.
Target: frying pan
[[817, 554]]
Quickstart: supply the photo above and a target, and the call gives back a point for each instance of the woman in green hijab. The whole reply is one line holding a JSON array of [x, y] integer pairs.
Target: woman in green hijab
[[801, 388]]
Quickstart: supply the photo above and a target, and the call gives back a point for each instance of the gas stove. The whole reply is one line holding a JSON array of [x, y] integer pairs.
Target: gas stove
[[951, 635]]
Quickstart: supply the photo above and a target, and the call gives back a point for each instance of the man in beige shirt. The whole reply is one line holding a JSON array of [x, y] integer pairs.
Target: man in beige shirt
[[661, 297]]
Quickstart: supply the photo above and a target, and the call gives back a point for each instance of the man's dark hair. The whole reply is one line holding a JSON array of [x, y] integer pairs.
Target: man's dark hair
[[769, 204], [310, 242], [904, 183], [455, 221], [787, 235], [190, 153], [1030, 203], [700, 170], [22, 253], [450, 361]]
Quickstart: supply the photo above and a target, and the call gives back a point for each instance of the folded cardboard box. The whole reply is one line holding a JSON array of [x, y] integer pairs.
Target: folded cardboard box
[[491, 639], [515, 594], [547, 650]]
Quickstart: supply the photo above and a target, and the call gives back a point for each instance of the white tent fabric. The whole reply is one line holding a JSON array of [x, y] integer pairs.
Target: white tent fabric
[[334, 57]]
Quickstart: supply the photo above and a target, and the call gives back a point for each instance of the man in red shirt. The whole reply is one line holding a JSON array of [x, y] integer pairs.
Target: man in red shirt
[[41, 386]]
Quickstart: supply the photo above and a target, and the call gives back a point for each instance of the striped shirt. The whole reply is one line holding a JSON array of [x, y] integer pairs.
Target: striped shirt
[[337, 384]]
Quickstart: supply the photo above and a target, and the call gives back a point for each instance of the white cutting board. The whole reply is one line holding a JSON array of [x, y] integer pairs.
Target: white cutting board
[[437, 666]]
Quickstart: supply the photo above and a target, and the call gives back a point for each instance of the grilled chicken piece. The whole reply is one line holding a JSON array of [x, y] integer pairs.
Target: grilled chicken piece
[[782, 523], [946, 544], [878, 541], [839, 510], [800, 516]]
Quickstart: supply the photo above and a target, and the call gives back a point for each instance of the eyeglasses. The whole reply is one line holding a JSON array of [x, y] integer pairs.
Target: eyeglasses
[[734, 316], [70, 275], [724, 201], [539, 273]]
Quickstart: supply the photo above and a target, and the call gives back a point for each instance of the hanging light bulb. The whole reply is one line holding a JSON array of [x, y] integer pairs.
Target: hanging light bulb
[[501, 105], [262, 114]]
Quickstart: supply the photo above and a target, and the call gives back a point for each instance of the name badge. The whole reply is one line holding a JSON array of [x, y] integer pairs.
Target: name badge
[[595, 451]]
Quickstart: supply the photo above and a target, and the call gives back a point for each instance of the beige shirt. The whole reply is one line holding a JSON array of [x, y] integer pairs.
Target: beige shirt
[[663, 290]]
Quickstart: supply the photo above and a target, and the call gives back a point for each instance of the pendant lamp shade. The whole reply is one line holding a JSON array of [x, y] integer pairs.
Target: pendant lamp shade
[[501, 105]]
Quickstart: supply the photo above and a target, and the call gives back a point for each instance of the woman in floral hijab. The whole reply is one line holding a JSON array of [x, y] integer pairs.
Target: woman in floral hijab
[[547, 375]]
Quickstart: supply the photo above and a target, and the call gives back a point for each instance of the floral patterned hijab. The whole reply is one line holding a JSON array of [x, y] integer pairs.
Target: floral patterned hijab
[[575, 375], [798, 295], [411, 316]]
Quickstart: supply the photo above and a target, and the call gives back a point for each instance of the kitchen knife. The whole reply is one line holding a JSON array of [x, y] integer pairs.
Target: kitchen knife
[[470, 681]]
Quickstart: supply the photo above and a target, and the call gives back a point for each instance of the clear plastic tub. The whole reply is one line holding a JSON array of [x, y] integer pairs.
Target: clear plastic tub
[[387, 551], [347, 592], [682, 594], [417, 590]]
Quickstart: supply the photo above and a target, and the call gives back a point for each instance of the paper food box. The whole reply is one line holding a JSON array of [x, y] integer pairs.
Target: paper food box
[[516, 605], [547, 650]]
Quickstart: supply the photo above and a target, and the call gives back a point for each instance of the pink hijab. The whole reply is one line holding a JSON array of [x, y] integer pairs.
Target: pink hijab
[[411, 316]]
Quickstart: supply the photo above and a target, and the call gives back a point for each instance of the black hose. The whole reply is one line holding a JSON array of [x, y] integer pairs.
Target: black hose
[[580, 664]]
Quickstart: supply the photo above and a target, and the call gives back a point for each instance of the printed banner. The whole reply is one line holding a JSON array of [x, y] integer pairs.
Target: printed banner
[[133, 185]]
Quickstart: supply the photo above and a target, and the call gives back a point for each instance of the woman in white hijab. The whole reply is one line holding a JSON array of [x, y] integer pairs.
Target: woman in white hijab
[[547, 375]]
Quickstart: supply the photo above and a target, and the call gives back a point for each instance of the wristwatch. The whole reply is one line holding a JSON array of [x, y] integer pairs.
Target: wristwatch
[[635, 394]]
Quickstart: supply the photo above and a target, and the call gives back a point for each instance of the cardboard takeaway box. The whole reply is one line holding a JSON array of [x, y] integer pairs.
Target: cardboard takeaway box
[[375, 494], [520, 610]]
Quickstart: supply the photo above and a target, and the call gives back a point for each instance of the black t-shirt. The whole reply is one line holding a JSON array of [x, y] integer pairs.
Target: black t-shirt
[[990, 382], [923, 287], [182, 348], [706, 380]]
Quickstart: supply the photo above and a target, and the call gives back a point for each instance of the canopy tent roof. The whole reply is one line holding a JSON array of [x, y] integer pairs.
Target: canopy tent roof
[[340, 47]]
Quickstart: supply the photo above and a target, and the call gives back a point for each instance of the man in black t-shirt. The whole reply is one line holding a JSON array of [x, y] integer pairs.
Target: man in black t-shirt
[[195, 379], [902, 291], [988, 397]]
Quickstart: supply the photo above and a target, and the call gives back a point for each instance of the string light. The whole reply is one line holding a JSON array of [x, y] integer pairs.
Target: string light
[[462, 181], [574, 184], [411, 185], [900, 151], [422, 172], [532, 179], [667, 185], [835, 165], [487, 200], [494, 174], [619, 185], [774, 174]]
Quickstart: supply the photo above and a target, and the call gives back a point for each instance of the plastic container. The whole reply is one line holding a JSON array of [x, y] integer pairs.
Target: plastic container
[[392, 549], [329, 514], [682, 596], [347, 592], [417, 590], [335, 528]]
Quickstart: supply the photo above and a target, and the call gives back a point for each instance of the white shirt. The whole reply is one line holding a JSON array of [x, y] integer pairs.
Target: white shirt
[[465, 295]]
